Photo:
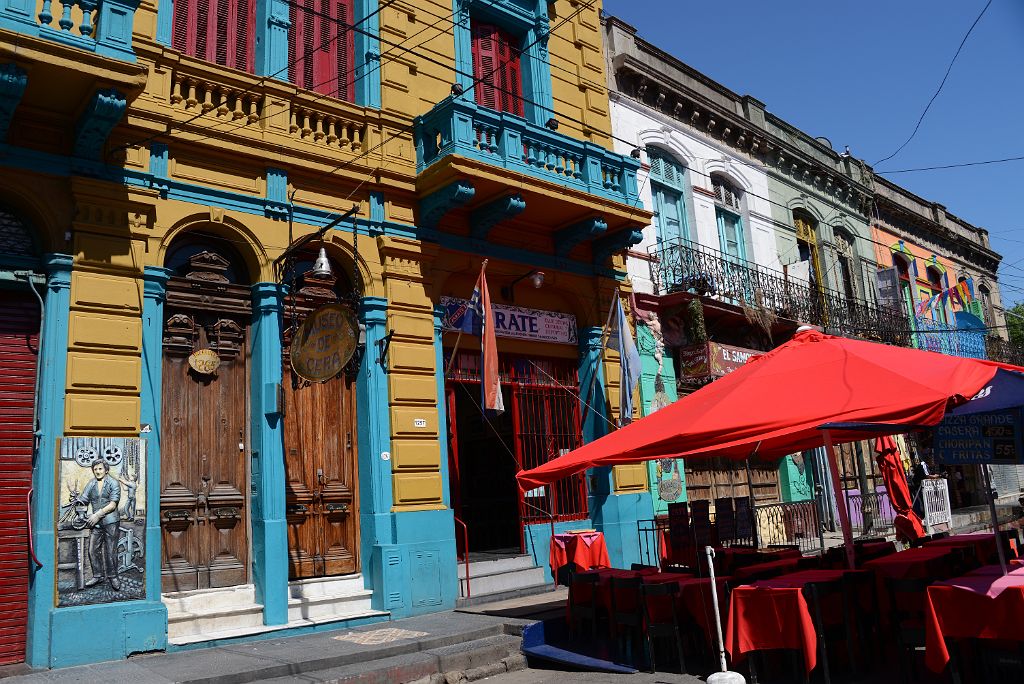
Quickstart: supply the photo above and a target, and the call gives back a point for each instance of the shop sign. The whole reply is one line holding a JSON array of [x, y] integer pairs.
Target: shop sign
[[980, 438], [324, 343], [713, 359], [516, 322]]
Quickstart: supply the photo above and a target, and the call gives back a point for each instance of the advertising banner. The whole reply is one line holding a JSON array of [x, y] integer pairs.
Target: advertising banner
[[516, 322], [979, 438]]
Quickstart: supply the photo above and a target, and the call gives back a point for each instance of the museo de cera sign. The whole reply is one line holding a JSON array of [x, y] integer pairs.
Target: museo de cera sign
[[712, 359], [516, 322], [324, 343], [979, 438]]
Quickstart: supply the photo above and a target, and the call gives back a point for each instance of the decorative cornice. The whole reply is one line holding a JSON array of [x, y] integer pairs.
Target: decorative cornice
[[567, 238], [94, 125], [605, 247], [434, 206]]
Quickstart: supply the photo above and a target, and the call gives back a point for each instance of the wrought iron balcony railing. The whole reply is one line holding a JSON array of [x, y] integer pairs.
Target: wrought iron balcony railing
[[948, 339], [685, 266], [998, 349], [458, 126]]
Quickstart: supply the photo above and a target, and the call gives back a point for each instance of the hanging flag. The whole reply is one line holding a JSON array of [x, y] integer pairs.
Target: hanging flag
[[954, 296], [970, 288], [965, 292], [922, 305], [620, 338], [490, 383]]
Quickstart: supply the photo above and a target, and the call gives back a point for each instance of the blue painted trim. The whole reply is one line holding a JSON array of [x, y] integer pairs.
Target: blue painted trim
[[270, 535], [277, 194], [463, 37], [442, 403], [50, 426], [281, 633], [154, 296], [94, 125], [112, 29], [158, 167], [377, 208], [374, 438], [367, 57], [165, 22], [272, 24]]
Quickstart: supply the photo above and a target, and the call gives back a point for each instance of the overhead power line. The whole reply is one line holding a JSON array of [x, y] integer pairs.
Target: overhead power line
[[939, 89], [952, 166]]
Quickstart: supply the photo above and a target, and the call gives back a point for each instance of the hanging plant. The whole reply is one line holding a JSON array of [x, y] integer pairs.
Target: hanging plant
[[696, 329]]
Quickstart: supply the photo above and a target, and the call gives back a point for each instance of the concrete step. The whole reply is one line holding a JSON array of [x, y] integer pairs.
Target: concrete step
[[474, 659], [203, 611], [518, 592], [494, 582], [331, 598], [489, 567]]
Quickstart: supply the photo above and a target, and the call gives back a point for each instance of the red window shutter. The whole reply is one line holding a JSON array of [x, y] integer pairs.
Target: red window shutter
[[345, 51], [496, 69], [320, 47], [184, 37], [218, 31]]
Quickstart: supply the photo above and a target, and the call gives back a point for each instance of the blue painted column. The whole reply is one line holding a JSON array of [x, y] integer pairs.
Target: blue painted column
[[613, 514], [374, 440], [367, 58], [463, 48], [442, 404], [537, 76], [164, 21], [154, 296], [50, 416], [269, 531], [272, 24]]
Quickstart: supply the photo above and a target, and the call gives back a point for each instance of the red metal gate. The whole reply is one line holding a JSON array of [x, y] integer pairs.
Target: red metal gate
[[19, 328], [546, 418]]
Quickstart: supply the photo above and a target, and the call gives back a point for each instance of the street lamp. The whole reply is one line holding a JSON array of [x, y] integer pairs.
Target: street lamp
[[536, 279]]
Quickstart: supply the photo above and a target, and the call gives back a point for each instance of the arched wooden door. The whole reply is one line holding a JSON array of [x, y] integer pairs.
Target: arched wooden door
[[204, 428], [320, 453]]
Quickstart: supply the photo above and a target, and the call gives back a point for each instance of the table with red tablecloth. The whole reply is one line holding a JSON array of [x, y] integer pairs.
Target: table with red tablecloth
[[586, 549], [694, 602], [975, 606], [773, 614], [776, 567], [983, 544], [920, 563], [873, 550]]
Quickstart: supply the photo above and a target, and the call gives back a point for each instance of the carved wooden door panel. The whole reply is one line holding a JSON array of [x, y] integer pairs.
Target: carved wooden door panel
[[320, 457], [203, 505]]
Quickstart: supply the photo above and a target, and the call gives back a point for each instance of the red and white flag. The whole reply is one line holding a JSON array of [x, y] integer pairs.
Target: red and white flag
[[490, 383]]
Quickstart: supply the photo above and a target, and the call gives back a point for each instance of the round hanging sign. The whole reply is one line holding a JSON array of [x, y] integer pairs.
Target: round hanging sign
[[670, 490], [204, 361], [324, 343]]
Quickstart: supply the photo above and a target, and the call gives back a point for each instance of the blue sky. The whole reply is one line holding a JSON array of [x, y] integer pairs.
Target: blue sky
[[860, 73]]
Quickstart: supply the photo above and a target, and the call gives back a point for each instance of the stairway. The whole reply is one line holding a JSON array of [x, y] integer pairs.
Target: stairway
[[499, 579]]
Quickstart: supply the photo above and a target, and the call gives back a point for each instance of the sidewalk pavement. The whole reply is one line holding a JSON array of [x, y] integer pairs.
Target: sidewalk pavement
[[387, 652]]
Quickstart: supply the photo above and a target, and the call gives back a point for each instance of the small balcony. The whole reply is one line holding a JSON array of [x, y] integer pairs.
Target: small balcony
[[1004, 351], [948, 339], [103, 27], [686, 266]]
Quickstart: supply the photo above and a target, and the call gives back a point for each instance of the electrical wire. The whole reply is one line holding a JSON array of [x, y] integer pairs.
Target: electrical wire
[[939, 89], [951, 166]]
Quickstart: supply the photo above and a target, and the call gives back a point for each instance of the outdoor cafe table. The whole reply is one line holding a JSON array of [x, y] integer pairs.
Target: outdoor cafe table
[[983, 544], [778, 567], [694, 598], [975, 606], [920, 563], [773, 614], [586, 549]]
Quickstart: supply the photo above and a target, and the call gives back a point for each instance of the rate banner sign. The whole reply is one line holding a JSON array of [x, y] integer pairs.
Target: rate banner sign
[[516, 322], [980, 438]]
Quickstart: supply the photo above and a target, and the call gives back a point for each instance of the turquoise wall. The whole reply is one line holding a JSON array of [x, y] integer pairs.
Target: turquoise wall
[[649, 373], [795, 485]]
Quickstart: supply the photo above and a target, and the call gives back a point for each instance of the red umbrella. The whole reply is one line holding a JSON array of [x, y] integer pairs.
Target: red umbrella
[[781, 399], [907, 522]]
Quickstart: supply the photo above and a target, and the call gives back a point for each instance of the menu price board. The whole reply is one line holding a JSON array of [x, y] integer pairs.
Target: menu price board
[[993, 438]]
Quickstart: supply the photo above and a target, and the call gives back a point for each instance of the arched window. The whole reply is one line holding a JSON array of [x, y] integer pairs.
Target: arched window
[[730, 220], [902, 265], [934, 276], [807, 242], [668, 189], [845, 261], [986, 304], [16, 246]]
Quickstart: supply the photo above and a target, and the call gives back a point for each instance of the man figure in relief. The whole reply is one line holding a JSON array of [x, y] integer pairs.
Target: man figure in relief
[[103, 494]]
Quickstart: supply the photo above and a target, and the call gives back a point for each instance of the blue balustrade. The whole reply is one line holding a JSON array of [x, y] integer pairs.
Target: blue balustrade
[[948, 339], [100, 26], [457, 126]]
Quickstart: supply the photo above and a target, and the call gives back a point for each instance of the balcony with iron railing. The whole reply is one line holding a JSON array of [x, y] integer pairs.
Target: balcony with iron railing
[[685, 266], [948, 339], [1004, 351]]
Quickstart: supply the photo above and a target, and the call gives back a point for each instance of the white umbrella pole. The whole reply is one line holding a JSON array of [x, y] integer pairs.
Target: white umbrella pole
[[723, 677], [844, 514], [995, 517]]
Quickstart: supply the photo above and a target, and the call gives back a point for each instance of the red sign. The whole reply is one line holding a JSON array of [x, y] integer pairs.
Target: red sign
[[713, 359]]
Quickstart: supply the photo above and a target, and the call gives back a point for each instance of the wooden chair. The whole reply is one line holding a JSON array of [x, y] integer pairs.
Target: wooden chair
[[906, 619], [583, 604], [627, 616], [641, 566], [664, 594]]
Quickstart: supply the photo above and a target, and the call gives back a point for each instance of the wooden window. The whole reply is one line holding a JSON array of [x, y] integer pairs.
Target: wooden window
[[669, 215], [496, 69], [219, 31], [320, 47], [666, 170], [725, 193]]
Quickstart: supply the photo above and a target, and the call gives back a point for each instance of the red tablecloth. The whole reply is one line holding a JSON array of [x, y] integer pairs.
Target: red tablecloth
[[959, 612], [586, 549], [920, 563], [604, 582], [873, 550], [983, 544], [780, 566], [694, 601], [773, 614]]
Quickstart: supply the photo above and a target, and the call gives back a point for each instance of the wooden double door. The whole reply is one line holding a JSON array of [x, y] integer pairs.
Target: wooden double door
[[320, 454], [204, 431]]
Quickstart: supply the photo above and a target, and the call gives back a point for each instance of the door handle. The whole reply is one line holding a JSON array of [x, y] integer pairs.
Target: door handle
[[226, 512], [173, 516], [296, 508], [337, 508]]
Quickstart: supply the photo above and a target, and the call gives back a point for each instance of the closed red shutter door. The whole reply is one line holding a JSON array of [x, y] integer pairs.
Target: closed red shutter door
[[496, 69], [19, 326], [218, 31], [320, 47]]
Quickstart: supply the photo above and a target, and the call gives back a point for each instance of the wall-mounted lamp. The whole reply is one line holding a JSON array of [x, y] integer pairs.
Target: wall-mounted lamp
[[635, 154], [552, 123], [536, 279], [457, 89]]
